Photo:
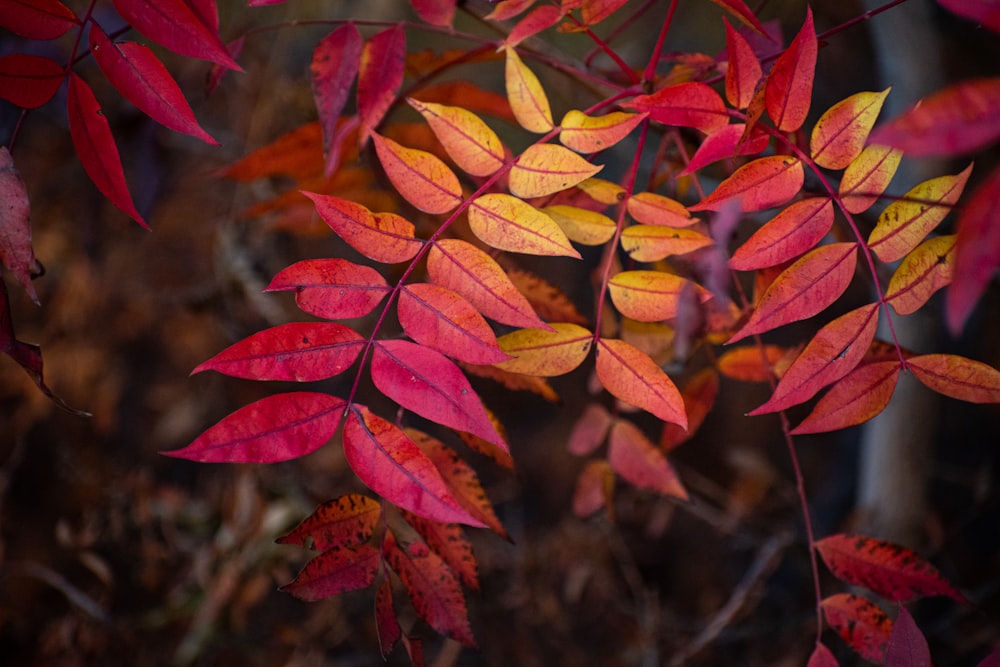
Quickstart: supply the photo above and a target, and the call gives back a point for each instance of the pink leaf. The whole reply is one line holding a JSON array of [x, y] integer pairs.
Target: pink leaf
[[332, 288], [442, 320], [764, 183], [276, 428], [429, 384], [629, 374], [298, 352], [640, 462], [179, 27], [339, 570], [859, 396], [907, 645], [16, 252], [539, 19], [590, 430], [743, 71], [822, 657], [393, 466], [380, 75], [788, 92], [95, 147], [37, 19], [690, 104], [335, 63], [142, 79], [435, 12], [977, 251], [724, 143], [29, 81]]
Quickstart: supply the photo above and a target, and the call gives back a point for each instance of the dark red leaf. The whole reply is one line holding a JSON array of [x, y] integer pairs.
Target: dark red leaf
[[37, 19], [175, 24], [383, 62], [429, 384], [276, 428], [907, 645], [977, 252], [335, 63], [142, 79], [95, 147], [984, 12], [16, 252], [393, 466], [448, 542], [29, 81], [788, 91], [894, 572], [332, 288], [822, 657], [386, 624], [339, 570], [347, 521], [860, 623]]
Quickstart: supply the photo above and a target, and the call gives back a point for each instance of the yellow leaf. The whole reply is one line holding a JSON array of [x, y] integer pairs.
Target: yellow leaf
[[653, 209], [546, 353], [582, 225], [526, 96], [923, 272], [544, 169], [602, 191], [469, 141], [650, 296], [867, 177], [651, 243], [508, 223], [840, 134], [588, 134]]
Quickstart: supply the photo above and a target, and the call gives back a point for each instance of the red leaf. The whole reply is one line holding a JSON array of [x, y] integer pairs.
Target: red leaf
[[833, 352], [590, 430], [434, 591], [539, 19], [384, 237], [332, 288], [142, 79], [985, 12], [467, 270], [95, 147], [276, 428], [420, 177], [743, 71], [29, 81], [840, 133], [789, 85], [699, 397], [298, 352], [764, 183], [339, 570], [448, 542], [380, 75], [393, 466], [429, 384], [442, 320], [786, 236], [435, 12], [855, 399], [594, 11], [804, 289], [822, 657], [690, 104], [629, 374], [907, 645], [37, 19], [386, 624], [959, 119], [335, 63], [958, 377], [724, 143], [739, 9], [346, 521], [638, 461], [179, 27], [977, 251], [860, 623], [16, 252], [894, 572]]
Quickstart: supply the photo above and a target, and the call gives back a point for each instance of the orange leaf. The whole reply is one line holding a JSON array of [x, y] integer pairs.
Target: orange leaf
[[581, 225], [906, 222], [788, 91], [345, 521], [804, 289], [689, 104], [421, 178], [546, 353], [653, 209], [602, 191], [467, 270], [977, 251], [332, 288], [434, 590], [508, 9], [892, 571], [589, 134], [590, 430], [544, 169], [385, 237], [786, 236], [651, 243], [470, 96], [699, 397], [640, 462], [743, 71], [649, 296], [442, 320], [764, 183], [748, 363], [860, 623], [833, 352], [594, 488], [380, 75], [867, 177], [840, 133], [922, 273], [508, 223], [550, 302], [470, 142], [958, 377], [859, 396], [526, 96], [296, 154], [633, 377], [594, 11]]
